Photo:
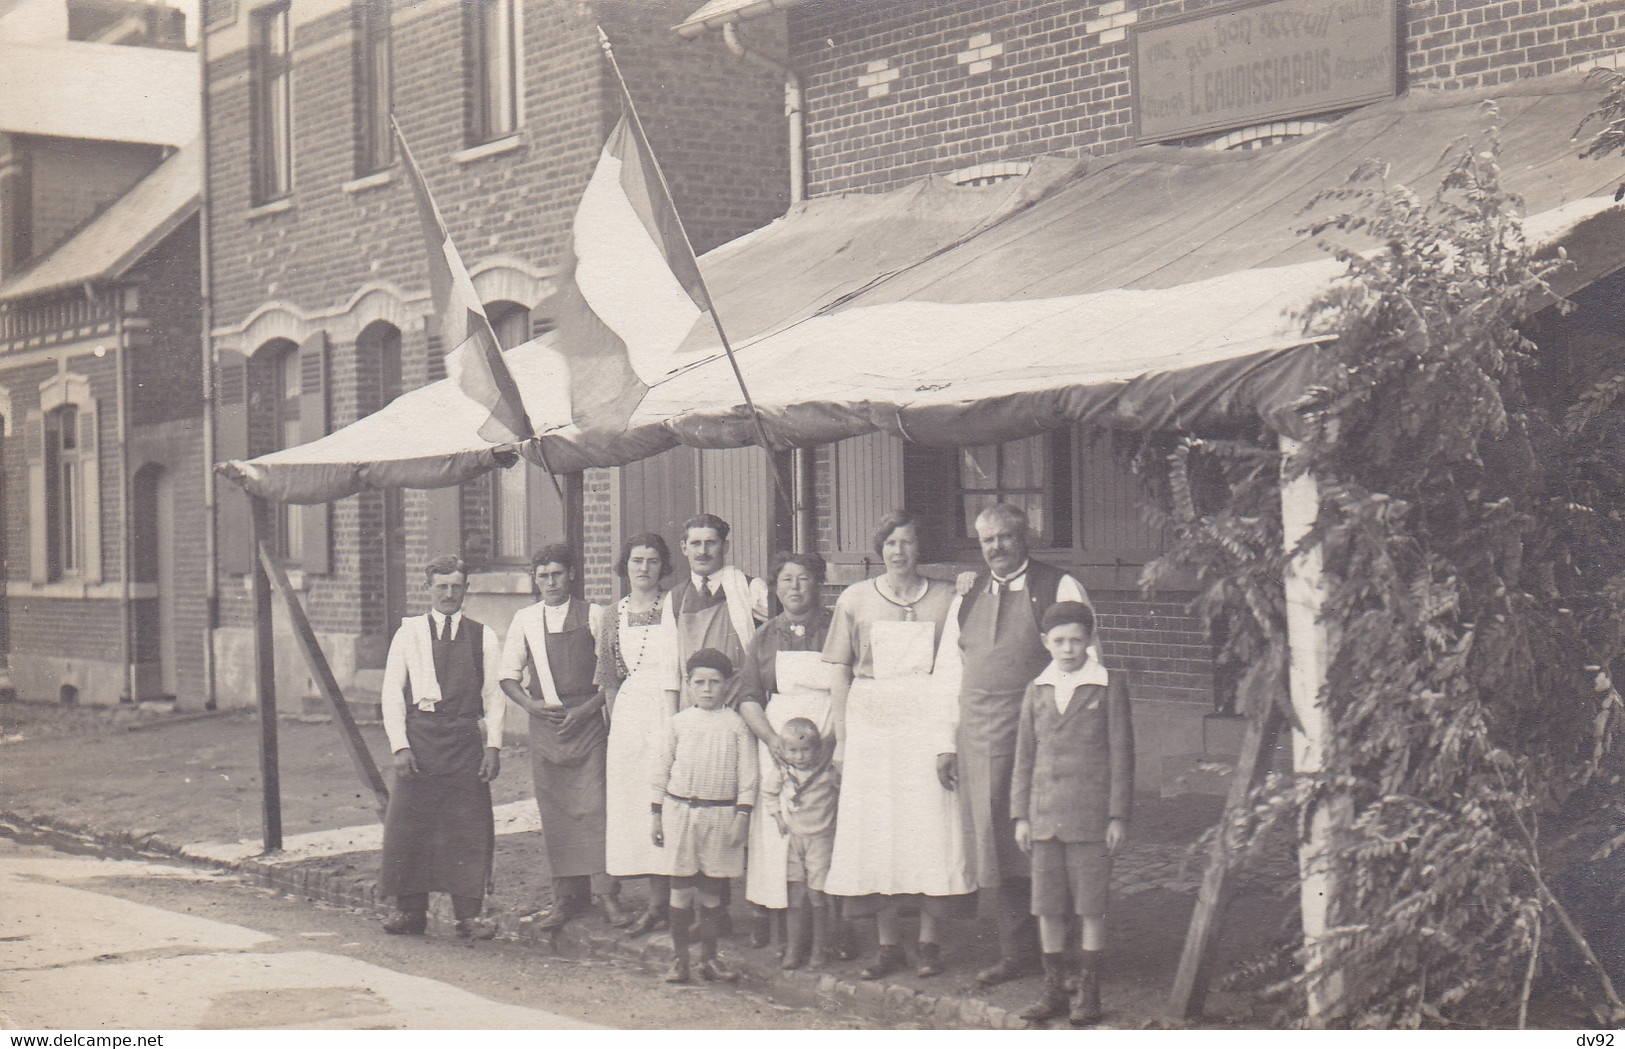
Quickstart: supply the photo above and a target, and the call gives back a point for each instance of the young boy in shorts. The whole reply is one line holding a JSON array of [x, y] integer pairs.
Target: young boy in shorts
[[1070, 796], [802, 798]]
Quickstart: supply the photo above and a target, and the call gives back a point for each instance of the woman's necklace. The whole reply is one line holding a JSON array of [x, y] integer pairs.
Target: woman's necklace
[[896, 599], [643, 635]]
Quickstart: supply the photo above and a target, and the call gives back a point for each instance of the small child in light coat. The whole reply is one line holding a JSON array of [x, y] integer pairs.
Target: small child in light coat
[[802, 796], [704, 789], [1070, 796]]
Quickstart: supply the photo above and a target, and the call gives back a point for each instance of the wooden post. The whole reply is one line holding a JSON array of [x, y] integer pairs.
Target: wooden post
[[1309, 654], [265, 682], [1213, 898], [319, 669]]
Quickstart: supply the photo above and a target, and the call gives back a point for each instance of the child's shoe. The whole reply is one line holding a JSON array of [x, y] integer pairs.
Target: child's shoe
[[678, 973], [1052, 1000], [710, 967], [1086, 1000], [890, 959], [930, 960]]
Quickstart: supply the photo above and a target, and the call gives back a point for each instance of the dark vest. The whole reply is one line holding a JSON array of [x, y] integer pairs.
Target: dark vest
[[1043, 581], [459, 667]]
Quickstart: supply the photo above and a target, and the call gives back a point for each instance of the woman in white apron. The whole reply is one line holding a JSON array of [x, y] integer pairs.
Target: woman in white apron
[[637, 669], [897, 830], [784, 677]]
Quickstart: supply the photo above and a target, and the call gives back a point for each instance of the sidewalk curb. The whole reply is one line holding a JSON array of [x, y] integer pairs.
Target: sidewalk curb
[[892, 1004]]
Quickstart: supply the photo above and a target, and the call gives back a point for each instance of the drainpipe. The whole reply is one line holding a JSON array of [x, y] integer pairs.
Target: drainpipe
[[211, 582], [801, 466], [121, 346]]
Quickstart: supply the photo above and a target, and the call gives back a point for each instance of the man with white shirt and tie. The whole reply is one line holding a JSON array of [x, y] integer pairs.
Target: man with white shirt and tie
[[994, 627], [717, 606], [440, 682]]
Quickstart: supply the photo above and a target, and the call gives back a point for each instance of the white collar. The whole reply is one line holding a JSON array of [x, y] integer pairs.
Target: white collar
[[1015, 582], [1091, 673], [554, 615], [713, 580], [437, 622]]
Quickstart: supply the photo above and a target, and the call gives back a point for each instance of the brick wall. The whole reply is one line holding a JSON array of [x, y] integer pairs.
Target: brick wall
[[1465, 44], [72, 179], [601, 548], [166, 379]]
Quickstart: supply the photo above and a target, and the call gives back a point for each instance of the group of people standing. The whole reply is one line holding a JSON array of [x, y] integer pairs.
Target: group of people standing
[[863, 755]]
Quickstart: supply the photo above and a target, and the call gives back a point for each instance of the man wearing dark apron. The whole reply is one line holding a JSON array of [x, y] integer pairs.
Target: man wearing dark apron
[[556, 641], [440, 681], [1001, 650]]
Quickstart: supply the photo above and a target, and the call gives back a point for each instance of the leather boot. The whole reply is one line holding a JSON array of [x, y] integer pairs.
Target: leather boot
[[1052, 999], [761, 927], [930, 960], [651, 919], [795, 947], [710, 966], [819, 957], [1086, 999], [407, 923], [679, 972], [890, 959], [617, 916]]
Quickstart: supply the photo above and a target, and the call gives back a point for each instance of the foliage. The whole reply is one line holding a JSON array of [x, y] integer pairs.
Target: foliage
[[1470, 527]]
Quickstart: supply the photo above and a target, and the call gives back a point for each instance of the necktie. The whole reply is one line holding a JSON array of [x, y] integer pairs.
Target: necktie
[[445, 628], [705, 588]]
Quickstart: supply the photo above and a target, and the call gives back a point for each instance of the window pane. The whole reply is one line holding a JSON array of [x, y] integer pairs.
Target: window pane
[[979, 468], [512, 512], [69, 516], [974, 505], [495, 78], [1021, 463]]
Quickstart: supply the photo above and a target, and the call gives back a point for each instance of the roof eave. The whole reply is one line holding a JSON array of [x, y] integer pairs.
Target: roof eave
[[20, 289], [696, 27]]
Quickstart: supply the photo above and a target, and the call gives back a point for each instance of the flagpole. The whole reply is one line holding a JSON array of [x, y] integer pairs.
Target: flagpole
[[710, 305]]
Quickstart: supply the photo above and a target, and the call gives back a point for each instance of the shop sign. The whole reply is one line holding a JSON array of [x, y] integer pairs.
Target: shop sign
[[1259, 62]]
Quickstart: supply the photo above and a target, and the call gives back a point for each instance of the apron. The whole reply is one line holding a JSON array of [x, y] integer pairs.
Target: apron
[[637, 741], [897, 830], [439, 834], [710, 627], [567, 768], [803, 681]]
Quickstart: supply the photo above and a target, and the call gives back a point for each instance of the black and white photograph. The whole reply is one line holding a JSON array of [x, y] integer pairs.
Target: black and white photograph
[[1104, 516]]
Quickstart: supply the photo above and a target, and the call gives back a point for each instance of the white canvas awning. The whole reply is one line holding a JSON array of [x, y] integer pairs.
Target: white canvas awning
[[1153, 289]]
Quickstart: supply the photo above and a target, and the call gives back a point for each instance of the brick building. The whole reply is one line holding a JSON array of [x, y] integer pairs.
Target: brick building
[[974, 91], [320, 291], [100, 359]]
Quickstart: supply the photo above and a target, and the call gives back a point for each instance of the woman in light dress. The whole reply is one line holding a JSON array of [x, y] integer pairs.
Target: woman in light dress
[[898, 832], [638, 671], [784, 677]]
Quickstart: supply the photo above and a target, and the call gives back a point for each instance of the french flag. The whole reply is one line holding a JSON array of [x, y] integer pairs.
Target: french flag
[[632, 289], [474, 361]]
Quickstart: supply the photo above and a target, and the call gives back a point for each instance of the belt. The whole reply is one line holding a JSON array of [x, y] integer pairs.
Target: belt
[[416, 712], [703, 802]]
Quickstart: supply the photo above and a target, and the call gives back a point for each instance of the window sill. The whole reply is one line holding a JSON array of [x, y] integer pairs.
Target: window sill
[[372, 181], [274, 207], [489, 149], [500, 581], [296, 580], [78, 590]]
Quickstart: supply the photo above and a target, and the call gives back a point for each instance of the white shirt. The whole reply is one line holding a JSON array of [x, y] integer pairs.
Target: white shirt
[[438, 621], [1066, 682], [554, 616], [1068, 589]]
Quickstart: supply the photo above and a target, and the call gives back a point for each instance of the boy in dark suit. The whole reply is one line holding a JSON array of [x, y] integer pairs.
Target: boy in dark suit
[[1070, 797]]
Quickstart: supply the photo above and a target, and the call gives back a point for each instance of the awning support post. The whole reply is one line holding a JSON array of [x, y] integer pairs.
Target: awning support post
[[1213, 898], [265, 683], [1309, 653], [322, 673]]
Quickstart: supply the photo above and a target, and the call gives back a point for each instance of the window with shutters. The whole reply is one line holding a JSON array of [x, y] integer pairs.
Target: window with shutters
[[492, 29], [61, 445], [271, 99], [374, 143], [287, 391], [64, 492]]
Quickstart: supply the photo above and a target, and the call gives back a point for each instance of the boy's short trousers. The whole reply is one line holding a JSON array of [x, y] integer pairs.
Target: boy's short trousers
[[807, 859], [1081, 869]]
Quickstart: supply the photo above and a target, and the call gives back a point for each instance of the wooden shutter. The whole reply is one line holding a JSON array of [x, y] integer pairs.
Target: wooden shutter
[[868, 485], [231, 442], [39, 563], [90, 483], [445, 521], [313, 424]]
